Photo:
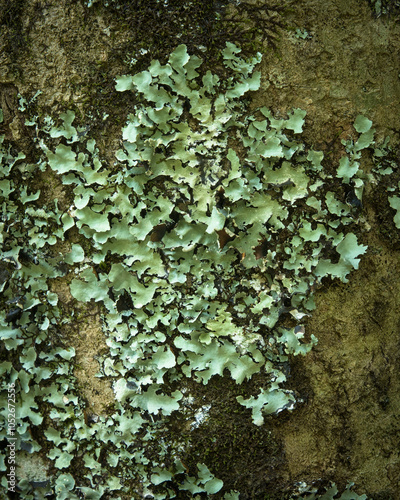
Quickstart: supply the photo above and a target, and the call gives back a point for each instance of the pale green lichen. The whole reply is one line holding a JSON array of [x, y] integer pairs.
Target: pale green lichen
[[331, 492], [210, 231]]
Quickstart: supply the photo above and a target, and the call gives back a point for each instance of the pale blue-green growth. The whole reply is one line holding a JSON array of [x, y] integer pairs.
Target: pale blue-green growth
[[395, 203], [331, 493], [203, 244]]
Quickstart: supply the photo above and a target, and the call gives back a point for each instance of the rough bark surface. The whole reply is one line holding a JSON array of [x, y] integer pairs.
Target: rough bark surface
[[348, 427]]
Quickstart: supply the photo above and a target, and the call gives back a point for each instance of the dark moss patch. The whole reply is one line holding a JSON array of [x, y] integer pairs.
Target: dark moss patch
[[11, 25], [378, 200], [385, 7], [204, 26], [245, 457]]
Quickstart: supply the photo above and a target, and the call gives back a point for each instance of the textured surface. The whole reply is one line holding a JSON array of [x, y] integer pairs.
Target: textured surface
[[344, 64]]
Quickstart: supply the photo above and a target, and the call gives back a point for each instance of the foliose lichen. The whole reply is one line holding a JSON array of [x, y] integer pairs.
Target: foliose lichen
[[203, 243], [330, 493]]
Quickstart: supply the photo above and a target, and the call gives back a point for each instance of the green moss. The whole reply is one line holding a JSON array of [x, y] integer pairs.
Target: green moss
[[385, 7], [12, 27], [385, 168], [203, 26]]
